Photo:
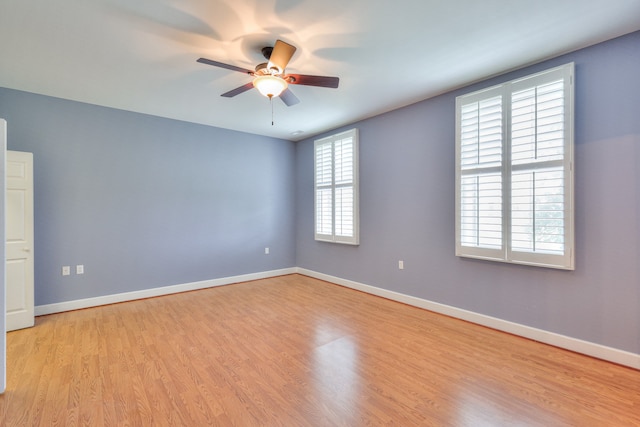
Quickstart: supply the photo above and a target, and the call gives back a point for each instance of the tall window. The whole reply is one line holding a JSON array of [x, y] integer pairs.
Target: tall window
[[514, 171], [336, 188]]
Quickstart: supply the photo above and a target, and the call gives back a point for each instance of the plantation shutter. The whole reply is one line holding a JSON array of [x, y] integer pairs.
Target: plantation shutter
[[324, 189], [481, 166], [541, 170], [480, 186], [514, 171], [336, 204]]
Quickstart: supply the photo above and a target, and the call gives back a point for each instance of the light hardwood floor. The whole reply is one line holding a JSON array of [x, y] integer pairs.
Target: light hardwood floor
[[296, 351]]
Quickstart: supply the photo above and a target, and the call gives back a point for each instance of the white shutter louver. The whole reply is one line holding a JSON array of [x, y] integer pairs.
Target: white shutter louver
[[324, 196], [480, 195], [344, 187], [537, 179], [537, 123], [538, 211]]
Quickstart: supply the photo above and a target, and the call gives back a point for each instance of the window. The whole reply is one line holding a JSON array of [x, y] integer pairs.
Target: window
[[336, 188], [514, 171]]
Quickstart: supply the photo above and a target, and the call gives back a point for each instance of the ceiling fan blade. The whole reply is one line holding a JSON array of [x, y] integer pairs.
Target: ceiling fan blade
[[289, 98], [238, 90], [321, 81], [281, 55], [222, 65]]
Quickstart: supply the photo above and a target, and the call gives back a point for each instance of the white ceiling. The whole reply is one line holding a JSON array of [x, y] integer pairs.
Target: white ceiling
[[140, 55]]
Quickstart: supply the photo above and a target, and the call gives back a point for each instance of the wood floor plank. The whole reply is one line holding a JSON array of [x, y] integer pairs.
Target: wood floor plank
[[296, 351]]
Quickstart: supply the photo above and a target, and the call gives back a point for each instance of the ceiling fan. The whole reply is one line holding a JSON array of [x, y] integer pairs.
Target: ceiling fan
[[270, 78]]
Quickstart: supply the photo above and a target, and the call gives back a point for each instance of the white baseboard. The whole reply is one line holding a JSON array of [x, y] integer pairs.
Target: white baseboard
[[599, 351], [41, 310]]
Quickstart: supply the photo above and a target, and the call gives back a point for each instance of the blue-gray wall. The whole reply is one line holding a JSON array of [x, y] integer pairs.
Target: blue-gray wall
[[145, 202], [407, 211]]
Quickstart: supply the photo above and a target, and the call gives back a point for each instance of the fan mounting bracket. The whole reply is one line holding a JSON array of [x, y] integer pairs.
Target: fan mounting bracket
[[266, 52]]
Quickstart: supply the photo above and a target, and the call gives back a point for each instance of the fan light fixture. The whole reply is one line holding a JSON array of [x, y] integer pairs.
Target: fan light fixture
[[269, 85]]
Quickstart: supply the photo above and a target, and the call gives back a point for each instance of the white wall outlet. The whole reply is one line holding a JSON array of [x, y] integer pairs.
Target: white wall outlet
[[266, 251], [66, 270], [80, 269], [400, 265]]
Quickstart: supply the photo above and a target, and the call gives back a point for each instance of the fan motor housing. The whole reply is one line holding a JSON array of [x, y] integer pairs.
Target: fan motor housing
[[262, 69]]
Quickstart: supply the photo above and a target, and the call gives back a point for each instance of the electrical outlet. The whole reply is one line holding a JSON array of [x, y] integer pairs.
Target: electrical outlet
[[400, 265], [66, 270], [80, 269], [266, 251]]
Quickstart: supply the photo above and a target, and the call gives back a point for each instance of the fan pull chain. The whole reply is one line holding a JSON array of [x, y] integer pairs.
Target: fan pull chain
[[271, 102]]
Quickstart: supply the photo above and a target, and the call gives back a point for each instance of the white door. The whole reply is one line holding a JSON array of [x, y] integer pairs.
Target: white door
[[19, 219]]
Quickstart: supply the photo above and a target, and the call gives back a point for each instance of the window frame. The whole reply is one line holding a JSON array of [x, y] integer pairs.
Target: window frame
[[333, 186], [506, 168]]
